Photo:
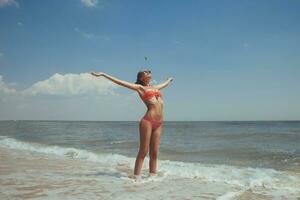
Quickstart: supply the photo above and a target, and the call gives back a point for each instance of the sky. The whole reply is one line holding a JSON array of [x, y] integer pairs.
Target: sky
[[230, 60]]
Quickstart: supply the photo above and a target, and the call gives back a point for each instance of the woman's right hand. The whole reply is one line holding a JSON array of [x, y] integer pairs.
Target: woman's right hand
[[170, 79], [97, 74]]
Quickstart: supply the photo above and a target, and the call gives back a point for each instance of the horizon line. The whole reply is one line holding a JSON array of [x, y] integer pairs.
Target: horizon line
[[58, 120]]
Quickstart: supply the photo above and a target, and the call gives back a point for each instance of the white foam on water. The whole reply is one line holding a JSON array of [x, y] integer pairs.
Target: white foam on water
[[257, 179], [243, 177], [161, 175], [105, 159], [230, 195], [118, 142]]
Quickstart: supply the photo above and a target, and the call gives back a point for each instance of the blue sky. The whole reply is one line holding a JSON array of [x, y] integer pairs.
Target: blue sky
[[230, 60]]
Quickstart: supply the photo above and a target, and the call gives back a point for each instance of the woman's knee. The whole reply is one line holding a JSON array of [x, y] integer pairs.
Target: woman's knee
[[143, 153], [153, 154]]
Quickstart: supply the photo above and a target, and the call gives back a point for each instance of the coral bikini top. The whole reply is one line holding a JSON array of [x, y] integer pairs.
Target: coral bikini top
[[149, 94]]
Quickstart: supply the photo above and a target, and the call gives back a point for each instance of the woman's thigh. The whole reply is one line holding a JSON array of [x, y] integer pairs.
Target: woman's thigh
[[145, 135], [155, 139]]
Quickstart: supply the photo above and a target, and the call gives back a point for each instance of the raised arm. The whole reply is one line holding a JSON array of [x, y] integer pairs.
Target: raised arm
[[132, 86], [164, 84]]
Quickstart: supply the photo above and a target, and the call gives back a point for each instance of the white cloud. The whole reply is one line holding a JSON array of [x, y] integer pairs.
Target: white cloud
[[85, 34], [89, 35], [19, 23], [5, 88], [89, 3], [72, 84], [69, 97], [4, 3]]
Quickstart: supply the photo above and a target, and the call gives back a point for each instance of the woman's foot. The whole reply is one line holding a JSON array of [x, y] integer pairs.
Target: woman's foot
[[135, 177], [152, 174]]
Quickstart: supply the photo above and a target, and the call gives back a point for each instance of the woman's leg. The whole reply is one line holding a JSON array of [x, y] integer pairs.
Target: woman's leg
[[145, 135], [154, 149]]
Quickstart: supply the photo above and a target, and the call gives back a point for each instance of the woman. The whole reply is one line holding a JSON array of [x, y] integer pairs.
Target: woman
[[150, 126]]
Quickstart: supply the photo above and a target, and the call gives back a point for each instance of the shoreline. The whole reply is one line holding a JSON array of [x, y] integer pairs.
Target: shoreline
[[26, 175]]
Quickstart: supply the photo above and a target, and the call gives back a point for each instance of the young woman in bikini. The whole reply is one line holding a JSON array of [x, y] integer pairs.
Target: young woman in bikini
[[150, 126]]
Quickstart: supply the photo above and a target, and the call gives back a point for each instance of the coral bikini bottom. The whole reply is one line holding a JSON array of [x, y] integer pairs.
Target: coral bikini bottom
[[155, 124]]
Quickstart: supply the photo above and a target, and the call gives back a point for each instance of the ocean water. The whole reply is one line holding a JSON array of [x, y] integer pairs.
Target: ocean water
[[197, 160]]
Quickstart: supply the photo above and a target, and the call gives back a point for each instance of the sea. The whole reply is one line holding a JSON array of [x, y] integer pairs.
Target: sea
[[197, 160]]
